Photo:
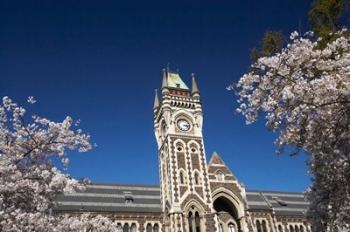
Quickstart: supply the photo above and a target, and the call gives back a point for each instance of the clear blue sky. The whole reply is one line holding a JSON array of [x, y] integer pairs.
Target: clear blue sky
[[100, 61]]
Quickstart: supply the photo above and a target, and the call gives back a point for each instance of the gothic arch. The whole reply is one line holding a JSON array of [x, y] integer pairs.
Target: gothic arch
[[231, 197], [177, 142], [225, 202], [196, 203], [194, 214], [194, 144], [232, 222]]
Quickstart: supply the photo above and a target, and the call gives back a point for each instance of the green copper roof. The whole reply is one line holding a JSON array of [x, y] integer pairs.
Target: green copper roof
[[175, 81]]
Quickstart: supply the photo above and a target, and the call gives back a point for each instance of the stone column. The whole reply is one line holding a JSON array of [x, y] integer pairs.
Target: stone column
[[243, 224]]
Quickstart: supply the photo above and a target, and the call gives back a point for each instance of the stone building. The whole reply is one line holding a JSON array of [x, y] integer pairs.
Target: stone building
[[193, 195]]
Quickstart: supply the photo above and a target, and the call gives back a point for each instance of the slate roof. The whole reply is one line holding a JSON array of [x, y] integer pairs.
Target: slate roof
[[146, 199], [282, 203], [112, 198]]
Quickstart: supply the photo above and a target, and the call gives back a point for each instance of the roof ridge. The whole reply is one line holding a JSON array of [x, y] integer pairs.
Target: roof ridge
[[273, 191], [125, 184]]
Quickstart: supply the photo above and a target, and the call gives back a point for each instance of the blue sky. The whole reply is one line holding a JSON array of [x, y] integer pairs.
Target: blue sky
[[100, 61]]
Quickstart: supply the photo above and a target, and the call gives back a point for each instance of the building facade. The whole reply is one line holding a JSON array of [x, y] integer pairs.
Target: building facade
[[194, 195]]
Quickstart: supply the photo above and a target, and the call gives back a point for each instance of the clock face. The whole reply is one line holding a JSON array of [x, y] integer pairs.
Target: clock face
[[183, 125]]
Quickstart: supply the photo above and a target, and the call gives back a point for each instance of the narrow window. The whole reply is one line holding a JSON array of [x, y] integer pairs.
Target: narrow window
[[301, 228], [190, 219], [221, 229], [231, 228], [258, 226], [149, 227], [291, 229], [264, 226], [280, 228], [197, 222], [133, 227], [126, 227], [181, 178], [119, 227], [196, 178], [156, 228], [296, 228]]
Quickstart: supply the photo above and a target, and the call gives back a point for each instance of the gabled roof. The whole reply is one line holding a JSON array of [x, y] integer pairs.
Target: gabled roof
[[216, 159]]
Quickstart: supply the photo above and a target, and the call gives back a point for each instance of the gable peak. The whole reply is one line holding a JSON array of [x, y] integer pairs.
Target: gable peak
[[216, 159]]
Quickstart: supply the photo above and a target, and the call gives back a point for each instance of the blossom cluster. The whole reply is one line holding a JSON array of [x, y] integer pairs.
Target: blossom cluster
[[304, 94], [29, 182]]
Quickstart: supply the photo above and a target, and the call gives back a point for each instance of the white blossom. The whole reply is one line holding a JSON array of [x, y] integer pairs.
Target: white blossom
[[29, 183], [31, 100], [305, 94]]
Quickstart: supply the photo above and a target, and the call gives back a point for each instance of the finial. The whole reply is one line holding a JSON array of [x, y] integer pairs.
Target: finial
[[194, 85], [165, 81], [168, 67], [156, 100]]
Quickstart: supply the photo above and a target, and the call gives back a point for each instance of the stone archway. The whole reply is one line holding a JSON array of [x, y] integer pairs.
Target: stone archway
[[227, 215]]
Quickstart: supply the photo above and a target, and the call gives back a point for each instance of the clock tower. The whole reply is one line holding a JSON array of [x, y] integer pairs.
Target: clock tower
[[185, 190]]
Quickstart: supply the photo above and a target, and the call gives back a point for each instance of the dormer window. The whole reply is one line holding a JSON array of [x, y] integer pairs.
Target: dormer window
[[279, 201], [129, 199], [177, 85]]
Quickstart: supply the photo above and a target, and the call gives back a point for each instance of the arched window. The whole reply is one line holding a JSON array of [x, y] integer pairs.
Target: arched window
[[133, 227], [119, 227], [296, 228], [182, 180], [258, 226], [280, 228], [221, 229], [231, 228], [194, 220], [197, 220], [196, 178], [126, 228], [149, 227], [156, 228], [220, 176], [190, 220], [291, 228], [301, 228], [264, 227]]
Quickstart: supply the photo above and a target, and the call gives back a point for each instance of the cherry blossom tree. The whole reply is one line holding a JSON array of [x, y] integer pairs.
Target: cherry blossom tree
[[29, 182], [304, 94]]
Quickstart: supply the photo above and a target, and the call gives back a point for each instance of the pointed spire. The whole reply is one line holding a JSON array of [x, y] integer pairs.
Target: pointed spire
[[156, 100], [194, 85], [165, 81]]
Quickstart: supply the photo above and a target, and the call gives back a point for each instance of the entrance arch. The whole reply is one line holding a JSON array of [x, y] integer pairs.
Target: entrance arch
[[230, 211], [227, 215]]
